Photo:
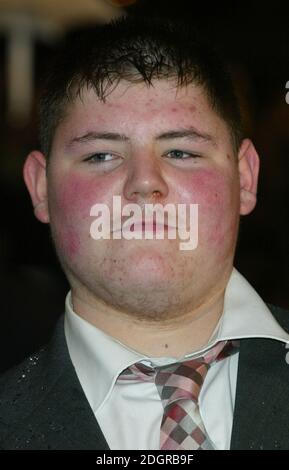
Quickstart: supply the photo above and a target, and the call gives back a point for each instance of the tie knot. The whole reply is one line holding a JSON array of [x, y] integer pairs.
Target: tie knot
[[181, 380], [184, 380], [179, 385]]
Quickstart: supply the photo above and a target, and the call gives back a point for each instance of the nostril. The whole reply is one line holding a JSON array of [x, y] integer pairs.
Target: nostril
[[156, 193]]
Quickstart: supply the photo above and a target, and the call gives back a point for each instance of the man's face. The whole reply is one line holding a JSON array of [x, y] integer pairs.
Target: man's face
[[144, 156]]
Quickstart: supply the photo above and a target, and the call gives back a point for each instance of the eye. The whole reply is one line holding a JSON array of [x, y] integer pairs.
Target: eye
[[101, 157], [181, 155]]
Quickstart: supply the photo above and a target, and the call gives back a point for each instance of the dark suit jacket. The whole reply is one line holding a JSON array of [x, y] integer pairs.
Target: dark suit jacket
[[42, 404]]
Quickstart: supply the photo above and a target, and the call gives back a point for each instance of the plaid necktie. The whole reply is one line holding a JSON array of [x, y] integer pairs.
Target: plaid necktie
[[179, 386]]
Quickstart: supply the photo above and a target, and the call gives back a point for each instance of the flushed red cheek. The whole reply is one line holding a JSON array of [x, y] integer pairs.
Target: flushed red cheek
[[217, 199], [67, 240], [70, 208], [77, 195]]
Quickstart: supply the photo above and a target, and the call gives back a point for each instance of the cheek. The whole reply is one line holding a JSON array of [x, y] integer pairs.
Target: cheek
[[76, 196], [70, 209], [217, 195]]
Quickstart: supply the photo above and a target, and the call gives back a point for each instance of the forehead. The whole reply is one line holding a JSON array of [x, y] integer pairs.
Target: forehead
[[141, 109], [142, 97]]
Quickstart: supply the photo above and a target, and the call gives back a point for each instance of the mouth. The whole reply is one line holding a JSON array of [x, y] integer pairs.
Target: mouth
[[145, 227], [149, 226]]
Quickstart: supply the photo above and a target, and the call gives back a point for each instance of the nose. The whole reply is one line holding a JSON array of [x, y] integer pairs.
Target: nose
[[145, 181]]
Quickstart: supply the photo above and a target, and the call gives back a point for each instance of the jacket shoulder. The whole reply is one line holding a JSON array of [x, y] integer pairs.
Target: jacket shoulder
[[18, 388], [25, 386]]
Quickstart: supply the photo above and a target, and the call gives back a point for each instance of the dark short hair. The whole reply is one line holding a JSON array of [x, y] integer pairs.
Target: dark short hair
[[137, 50]]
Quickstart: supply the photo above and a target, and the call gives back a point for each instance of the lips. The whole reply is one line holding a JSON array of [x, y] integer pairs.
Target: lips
[[145, 226]]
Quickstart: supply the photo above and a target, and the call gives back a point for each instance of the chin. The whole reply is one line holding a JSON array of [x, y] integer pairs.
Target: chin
[[150, 273], [147, 280]]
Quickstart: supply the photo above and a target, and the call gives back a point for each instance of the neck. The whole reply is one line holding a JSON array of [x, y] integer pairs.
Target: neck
[[174, 337]]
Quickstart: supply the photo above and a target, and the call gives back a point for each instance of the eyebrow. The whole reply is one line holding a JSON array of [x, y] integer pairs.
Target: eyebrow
[[190, 133], [91, 136]]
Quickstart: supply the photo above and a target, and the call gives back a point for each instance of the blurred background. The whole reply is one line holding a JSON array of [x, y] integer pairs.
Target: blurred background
[[253, 36]]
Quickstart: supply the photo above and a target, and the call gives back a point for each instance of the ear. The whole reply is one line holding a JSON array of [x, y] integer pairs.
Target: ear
[[34, 173], [248, 164]]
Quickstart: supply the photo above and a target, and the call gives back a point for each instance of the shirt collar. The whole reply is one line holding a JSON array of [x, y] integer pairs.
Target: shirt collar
[[246, 315], [99, 359]]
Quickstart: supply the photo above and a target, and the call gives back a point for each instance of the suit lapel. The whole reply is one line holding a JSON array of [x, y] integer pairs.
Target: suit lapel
[[262, 402], [71, 423], [72, 414]]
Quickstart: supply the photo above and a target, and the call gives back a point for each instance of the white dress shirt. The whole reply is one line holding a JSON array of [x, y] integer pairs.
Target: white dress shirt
[[130, 413]]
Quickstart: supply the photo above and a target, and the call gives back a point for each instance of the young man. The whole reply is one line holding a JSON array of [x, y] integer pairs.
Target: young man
[[146, 112]]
